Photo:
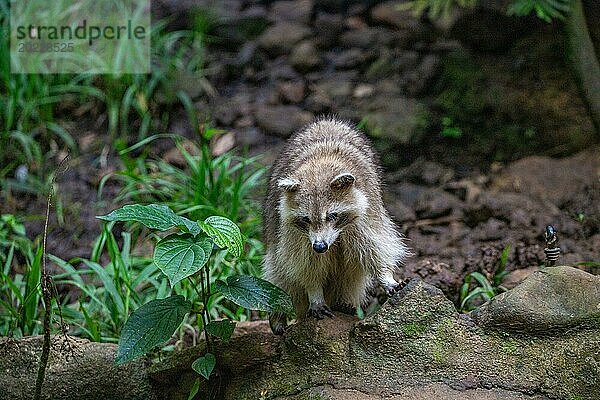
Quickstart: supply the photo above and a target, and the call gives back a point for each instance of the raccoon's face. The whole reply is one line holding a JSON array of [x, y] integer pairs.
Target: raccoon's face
[[322, 210]]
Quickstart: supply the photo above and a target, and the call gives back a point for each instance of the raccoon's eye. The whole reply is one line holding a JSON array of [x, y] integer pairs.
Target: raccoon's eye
[[305, 220], [331, 217]]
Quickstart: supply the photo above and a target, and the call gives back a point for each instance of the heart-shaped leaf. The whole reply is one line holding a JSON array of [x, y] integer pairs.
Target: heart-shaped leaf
[[222, 329], [179, 256], [205, 365], [150, 325], [224, 233], [154, 216], [255, 294]]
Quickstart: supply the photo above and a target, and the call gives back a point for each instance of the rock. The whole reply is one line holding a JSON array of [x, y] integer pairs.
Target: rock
[[281, 37], [305, 56], [553, 298], [420, 80], [492, 229], [331, 89], [382, 67], [398, 119], [435, 203], [327, 29], [430, 173], [241, 26], [347, 59], [520, 211], [541, 177], [367, 38], [77, 369], [437, 273], [250, 136], [416, 346], [399, 211], [363, 90], [282, 120], [221, 144], [391, 13], [227, 109], [292, 10], [173, 156], [292, 92], [335, 88]]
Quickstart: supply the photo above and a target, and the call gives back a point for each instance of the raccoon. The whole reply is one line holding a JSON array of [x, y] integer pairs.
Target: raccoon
[[327, 233]]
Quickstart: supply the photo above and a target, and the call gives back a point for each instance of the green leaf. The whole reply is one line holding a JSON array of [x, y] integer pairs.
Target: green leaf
[[255, 294], [222, 329], [150, 325], [194, 389], [224, 233], [205, 365], [179, 256], [154, 216]]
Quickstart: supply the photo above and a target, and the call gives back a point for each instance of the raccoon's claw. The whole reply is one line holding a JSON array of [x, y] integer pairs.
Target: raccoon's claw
[[278, 323], [320, 311], [345, 308], [393, 289]]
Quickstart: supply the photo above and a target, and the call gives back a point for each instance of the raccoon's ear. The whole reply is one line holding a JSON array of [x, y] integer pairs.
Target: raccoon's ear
[[288, 184], [342, 181]]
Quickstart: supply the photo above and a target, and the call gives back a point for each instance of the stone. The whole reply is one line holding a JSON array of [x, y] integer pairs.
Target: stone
[[250, 137], [399, 211], [282, 37], [327, 29], [281, 120], [420, 80], [305, 56], [363, 90], [391, 13], [398, 119], [347, 59], [417, 346], [435, 203], [292, 10], [553, 298], [430, 173], [540, 177], [367, 38], [291, 91]]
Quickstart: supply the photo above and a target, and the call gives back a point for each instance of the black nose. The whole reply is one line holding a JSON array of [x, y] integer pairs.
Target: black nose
[[320, 247]]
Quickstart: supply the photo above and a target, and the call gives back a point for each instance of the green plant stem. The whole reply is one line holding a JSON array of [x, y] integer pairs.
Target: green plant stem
[[204, 314], [584, 61]]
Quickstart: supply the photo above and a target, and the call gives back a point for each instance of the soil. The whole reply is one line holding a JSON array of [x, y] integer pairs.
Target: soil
[[458, 207]]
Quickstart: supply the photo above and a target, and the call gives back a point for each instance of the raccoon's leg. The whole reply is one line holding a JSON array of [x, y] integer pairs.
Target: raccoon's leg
[[317, 307], [389, 284], [349, 292]]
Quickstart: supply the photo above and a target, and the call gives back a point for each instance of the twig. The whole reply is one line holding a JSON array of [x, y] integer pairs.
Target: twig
[[47, 291]]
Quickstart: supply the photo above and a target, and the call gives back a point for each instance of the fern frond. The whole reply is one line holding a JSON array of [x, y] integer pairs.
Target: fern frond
[[544, 9]]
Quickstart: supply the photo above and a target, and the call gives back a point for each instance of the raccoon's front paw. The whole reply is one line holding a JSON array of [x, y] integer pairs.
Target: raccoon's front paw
[[320, 311], [392, 289], [278, 323]]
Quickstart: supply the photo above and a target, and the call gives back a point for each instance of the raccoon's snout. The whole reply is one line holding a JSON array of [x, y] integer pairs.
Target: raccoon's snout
[[320, 246]]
